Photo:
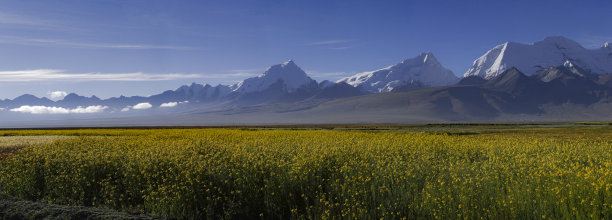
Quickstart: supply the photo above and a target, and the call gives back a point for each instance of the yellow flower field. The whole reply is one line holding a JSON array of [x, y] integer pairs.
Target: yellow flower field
[[513, 172]]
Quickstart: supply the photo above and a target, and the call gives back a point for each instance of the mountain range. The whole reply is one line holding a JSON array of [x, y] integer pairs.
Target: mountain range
[[553, 79], [421, 71], [531, 58]]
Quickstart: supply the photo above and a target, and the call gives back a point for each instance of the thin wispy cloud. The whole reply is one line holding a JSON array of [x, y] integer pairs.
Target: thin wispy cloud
[[331, 76], [341, 48], [333, 44], [328, 42], [240, 74], [72, 44], [247, 71], [20, 20], [53, 74]]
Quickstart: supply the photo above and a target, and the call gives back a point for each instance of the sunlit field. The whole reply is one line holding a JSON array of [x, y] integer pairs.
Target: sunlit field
[[12, 141], [436, 172]]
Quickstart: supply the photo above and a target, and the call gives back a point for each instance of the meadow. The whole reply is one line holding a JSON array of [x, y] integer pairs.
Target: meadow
[[545, 171]]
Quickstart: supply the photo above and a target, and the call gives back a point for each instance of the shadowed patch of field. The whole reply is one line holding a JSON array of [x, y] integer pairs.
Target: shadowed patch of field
[[12, 144], [15, 208], [6, 151]]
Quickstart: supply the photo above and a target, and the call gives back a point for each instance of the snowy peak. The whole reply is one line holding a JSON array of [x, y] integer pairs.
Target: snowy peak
[[292, 76], [568, 64], [559, 42], [423, 68], [287, 68], [532, 58], [429, 58], [424, 58], [289, 63]]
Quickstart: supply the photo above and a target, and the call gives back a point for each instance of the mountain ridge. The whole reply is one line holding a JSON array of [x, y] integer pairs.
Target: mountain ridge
[[531, 58], [416, 89], [424, 68]]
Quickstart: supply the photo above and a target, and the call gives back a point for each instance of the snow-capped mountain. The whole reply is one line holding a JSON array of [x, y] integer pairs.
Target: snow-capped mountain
[[531, 58], [510, 79], [292, 76], [424, 69]]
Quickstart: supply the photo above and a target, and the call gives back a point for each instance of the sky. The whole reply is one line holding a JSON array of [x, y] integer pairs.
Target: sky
[[144, 47]]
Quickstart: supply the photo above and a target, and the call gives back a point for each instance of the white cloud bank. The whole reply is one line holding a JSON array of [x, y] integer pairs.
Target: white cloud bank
[[57, 95], [39, 109], [168, 104], [144, 105], [139, 106], [172, 104]]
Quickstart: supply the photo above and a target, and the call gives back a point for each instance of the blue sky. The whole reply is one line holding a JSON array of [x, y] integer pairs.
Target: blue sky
[[109, 48]]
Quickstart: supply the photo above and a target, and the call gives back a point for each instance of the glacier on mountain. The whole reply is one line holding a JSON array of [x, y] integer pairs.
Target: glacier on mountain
[[424, 69], [531, 58], [292, 76]]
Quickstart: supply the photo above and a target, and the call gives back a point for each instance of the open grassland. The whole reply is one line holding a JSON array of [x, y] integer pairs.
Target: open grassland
[[365, 172]]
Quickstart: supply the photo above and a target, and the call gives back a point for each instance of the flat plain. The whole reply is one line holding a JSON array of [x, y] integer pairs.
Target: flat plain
[[435, 171]]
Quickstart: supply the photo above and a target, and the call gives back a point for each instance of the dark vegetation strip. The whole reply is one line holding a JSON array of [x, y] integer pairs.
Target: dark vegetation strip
[[6, 151], [15, 208], [387, 126]]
